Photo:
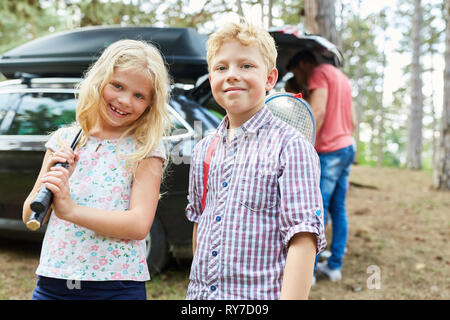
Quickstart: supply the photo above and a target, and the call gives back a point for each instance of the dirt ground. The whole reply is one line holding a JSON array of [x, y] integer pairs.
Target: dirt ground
[[397, 245], [397, 241]]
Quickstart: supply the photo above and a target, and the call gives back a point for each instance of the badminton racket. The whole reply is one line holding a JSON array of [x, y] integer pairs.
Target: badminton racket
[[293, 110], [42, 202]]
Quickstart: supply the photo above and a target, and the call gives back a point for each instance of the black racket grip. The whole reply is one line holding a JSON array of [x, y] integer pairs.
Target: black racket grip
[[41, 204], [42, 201], [35, 220]]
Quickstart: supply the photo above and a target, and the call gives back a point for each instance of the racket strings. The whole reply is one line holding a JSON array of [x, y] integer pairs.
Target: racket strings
[[293, 111]]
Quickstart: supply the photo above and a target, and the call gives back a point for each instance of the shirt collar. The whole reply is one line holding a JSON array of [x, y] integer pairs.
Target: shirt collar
[[252, 125]]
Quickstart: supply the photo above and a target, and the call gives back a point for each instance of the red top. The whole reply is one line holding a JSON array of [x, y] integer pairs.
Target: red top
[[336, 130]]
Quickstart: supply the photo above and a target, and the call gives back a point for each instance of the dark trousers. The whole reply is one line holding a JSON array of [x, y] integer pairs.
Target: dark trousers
[[61, 289]]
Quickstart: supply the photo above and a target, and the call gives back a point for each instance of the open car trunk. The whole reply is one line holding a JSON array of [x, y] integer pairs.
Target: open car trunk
[[290, 40]]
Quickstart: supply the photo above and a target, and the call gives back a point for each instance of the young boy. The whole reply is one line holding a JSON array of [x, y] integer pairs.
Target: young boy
[[262, 225]]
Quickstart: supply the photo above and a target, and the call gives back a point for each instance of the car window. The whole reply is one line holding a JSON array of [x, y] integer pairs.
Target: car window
[[41, 113], [5, 102], [178, 126], [175, 125]]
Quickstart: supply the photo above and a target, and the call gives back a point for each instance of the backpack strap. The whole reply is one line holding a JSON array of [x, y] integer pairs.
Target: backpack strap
[[206, 163]]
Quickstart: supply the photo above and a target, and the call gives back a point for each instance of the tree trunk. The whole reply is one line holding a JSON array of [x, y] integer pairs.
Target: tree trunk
[[321, 18], [434, 129], [358, 104], [340, 29], [442, 172], [240, 10], [310, 16], [380, 131], [269, 13], [414, 156], [261, 5], [381, 111]]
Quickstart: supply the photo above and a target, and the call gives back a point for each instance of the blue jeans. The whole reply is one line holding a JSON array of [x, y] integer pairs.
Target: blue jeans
[[335, 169]]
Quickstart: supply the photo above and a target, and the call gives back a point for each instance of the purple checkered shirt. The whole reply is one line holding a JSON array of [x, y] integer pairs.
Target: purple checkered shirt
[[263, 188]]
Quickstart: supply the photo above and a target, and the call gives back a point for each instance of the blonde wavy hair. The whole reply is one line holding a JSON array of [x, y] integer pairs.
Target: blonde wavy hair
[[247, 34], [133, 55]]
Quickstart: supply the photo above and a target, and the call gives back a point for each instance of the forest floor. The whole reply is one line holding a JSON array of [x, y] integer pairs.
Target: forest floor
[[399, 232], [398, 246]]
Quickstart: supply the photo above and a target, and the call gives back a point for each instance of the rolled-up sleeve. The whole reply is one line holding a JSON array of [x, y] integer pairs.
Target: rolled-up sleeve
[[301, 206], [194, 206]]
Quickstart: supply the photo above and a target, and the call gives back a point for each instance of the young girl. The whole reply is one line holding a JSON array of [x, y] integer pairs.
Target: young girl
[[105, 202]]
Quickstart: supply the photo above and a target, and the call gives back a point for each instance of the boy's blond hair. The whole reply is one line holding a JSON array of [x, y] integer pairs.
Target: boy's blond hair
[[130, 55], [247, 34]]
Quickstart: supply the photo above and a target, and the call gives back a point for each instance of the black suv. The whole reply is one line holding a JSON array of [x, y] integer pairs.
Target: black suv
[[40, 98]]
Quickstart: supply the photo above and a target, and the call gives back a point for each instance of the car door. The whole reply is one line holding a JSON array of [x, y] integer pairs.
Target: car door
[[190, 123], [28, 119]]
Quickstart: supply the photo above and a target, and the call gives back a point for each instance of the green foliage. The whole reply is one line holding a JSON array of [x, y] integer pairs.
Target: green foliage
[[25, 20], [96, 12], [364, 55], [291, 11], [364, 60], [364, 66], [21, 21], [174, 13], [432, 46]]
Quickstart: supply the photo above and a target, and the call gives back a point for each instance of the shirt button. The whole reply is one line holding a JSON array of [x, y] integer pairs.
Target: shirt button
[[224, 184], [214, 253], [213, 288], [218, 218]]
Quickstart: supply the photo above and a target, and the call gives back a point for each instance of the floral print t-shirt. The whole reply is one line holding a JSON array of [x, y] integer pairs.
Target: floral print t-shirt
[[100, 180]]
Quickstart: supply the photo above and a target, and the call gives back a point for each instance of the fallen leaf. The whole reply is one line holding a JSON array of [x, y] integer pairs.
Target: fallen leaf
[[420, 266]]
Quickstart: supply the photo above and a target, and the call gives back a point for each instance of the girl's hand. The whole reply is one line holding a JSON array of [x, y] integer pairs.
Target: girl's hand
[[57, 181], [64, 155]]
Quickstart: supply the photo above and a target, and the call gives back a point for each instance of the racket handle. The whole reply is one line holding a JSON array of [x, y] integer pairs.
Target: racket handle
[[41, 204], [35, 220], [42, 201]]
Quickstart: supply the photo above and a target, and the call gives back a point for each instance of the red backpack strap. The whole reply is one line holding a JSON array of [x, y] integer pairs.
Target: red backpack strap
[[206, 163]]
